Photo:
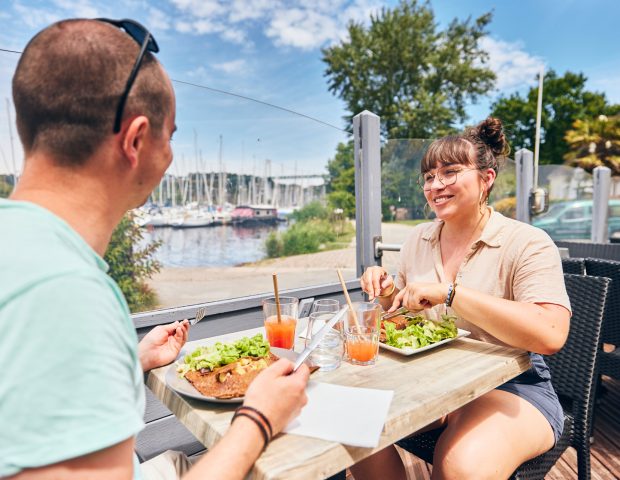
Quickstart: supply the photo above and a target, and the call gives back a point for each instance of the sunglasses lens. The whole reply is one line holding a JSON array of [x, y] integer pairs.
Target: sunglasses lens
[[137, 32]]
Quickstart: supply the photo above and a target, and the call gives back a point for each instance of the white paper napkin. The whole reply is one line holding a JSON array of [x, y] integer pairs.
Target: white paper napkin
[[349, 415]]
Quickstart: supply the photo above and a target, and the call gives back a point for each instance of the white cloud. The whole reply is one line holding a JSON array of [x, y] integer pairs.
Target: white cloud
[[158, 20], [303, 24], [36, 17], [78, 8], [514, 67], [232, 67]]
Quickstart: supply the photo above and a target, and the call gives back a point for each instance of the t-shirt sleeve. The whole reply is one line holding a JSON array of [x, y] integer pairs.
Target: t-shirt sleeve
[[71, 382], [539, 277]]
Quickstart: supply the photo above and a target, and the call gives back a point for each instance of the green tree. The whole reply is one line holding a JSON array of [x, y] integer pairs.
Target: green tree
[[416, 77], [6, 187], [594, 143], [341, 180], [130, 264], [565, 100]]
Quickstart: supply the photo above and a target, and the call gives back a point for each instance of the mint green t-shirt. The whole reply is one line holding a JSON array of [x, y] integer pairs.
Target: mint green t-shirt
[[70, 377]]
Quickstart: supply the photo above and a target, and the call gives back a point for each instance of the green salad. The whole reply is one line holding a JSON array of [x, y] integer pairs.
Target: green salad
[[213, 356], [420, 332]]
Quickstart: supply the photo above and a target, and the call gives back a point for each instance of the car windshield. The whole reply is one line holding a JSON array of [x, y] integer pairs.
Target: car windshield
[[553, 210]]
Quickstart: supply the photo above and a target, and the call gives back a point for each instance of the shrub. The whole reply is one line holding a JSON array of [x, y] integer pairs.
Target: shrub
[[273, 245], [507, 207], [312, 210], [130, 265]]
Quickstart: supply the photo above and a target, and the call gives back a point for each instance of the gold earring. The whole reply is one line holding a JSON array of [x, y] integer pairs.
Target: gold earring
[[427, 210]]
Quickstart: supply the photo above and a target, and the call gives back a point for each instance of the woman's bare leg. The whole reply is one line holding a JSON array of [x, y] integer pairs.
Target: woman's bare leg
[[490, 437], [383, 464], [387, 463]]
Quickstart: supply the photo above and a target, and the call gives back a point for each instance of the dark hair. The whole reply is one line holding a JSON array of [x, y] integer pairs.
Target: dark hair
[[484, 146], [68, 83]]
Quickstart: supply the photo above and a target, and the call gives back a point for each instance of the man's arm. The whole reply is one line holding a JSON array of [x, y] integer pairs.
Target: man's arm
[[114, 462]]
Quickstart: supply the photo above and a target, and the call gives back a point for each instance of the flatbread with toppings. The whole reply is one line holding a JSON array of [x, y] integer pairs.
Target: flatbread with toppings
[[229, 381]]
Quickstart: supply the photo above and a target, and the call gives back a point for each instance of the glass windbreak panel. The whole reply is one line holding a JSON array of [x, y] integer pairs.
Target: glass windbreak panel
[[570, 202], [11, 154], [503, 196], [402, 199], [245, 196]]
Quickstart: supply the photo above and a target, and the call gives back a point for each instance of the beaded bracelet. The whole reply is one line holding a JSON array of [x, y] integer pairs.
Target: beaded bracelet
[[258, 423], [260, 414], [450, 296], [391, 291]]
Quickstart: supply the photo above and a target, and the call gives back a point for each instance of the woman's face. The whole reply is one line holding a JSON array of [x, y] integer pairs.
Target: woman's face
[[454, 190]]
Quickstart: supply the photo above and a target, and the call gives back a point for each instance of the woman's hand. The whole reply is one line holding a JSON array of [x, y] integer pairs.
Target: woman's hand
[[162, 344], [278, 393], [376, 281], [419, 296]]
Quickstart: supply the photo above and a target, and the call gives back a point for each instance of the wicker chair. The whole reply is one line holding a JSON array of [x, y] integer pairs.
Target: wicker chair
[[573, 371], [610, 361], [576, 266]]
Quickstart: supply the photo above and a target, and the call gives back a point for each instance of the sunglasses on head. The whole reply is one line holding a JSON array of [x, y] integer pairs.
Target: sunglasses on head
[[147, 43]]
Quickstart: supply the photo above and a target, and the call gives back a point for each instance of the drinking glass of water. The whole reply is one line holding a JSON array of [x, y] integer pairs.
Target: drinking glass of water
[[328, 353], [325, 305]]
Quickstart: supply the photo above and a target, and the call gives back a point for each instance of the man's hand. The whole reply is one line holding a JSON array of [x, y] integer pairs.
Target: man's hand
[[419, 296], [278, 393], [162, 344]]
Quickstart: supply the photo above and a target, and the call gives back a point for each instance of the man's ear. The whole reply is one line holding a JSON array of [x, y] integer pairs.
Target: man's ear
[[134, 139]]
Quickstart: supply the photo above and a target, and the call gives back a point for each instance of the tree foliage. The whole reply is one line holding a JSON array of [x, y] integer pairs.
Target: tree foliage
[[341, 180], [595, 143], [6, 186], [565, 100], [130, 264], [416, 77]]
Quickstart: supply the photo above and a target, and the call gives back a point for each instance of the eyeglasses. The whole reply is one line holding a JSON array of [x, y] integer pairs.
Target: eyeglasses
[[446, 176], [146, 41]]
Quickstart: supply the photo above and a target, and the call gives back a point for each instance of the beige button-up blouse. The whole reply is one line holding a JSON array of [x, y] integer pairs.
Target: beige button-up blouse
[[511, 260]]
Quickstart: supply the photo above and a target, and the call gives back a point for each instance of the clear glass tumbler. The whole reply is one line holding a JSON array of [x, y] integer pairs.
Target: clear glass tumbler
[[281, 333], [361, 329], [328, 353]]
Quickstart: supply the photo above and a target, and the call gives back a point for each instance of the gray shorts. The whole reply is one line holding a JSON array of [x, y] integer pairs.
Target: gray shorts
[[535, 387]]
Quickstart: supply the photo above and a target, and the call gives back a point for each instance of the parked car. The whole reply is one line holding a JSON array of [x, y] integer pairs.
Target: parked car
[[573, 220]]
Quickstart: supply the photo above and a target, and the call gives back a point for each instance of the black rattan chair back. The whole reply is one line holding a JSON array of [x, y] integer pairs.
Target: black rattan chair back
[[610, 361], [573, 372], [576, 266]]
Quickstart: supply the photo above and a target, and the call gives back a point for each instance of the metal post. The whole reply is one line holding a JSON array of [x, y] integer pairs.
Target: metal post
[[367, 159], [601, 177], [524, 160]]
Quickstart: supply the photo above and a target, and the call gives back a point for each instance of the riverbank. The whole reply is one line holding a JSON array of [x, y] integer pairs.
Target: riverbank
[[189, 285]]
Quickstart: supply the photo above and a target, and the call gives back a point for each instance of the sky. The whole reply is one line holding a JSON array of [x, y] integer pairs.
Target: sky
[[270, 50]]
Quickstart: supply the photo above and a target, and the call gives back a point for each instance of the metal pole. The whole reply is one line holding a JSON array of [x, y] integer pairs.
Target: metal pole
[[524, 160], [601, 177], [367, 159]]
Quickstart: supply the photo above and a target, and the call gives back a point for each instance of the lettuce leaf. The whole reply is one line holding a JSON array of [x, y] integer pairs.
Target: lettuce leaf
[[219, 354], [420, 332]]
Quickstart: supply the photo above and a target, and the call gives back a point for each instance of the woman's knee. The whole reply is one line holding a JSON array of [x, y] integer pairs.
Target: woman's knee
[[464, 462]]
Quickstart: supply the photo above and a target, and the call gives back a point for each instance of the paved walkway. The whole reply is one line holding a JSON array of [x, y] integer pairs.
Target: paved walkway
[[186, 286]]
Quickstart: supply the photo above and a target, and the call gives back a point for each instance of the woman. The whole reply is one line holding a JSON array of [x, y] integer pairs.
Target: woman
[[503, 281]]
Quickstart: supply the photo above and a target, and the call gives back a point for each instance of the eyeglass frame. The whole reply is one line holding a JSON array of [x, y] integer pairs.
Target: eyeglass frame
[[147, 43], [422, 182]]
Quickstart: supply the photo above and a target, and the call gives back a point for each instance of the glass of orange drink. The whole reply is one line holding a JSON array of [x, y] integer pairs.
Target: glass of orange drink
[[361, 328], [281, 331]]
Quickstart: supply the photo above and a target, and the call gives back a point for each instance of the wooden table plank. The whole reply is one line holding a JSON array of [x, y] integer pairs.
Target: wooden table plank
[[426, 387]]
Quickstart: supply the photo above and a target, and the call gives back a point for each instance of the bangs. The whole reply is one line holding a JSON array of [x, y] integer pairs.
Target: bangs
[[447, 151]]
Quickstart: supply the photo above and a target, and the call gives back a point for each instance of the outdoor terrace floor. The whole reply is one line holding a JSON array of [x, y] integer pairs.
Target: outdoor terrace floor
[[605, 454]]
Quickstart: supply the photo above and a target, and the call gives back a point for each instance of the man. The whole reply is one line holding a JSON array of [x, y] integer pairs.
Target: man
[[96, 144]]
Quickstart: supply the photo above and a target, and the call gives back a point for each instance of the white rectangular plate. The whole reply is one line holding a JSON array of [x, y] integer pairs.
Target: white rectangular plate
[[411, 351]]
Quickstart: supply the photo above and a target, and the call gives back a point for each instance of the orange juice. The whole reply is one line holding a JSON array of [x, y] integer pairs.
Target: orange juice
[[281, 334], [362, 351]]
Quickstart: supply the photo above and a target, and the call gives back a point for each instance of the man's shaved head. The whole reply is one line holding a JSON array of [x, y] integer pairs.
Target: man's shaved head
[[68, 83]]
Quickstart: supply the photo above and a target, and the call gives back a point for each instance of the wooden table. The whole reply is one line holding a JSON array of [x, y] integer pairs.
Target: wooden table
[[426, 387]]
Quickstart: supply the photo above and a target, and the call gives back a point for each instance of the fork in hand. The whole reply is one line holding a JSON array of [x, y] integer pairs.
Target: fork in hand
[[200, 314]]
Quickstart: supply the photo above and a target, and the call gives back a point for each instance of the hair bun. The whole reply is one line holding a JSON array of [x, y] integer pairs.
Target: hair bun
[[491, 132]]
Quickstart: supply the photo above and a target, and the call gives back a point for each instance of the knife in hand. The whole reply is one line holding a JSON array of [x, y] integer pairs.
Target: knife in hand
[[318, 336]]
